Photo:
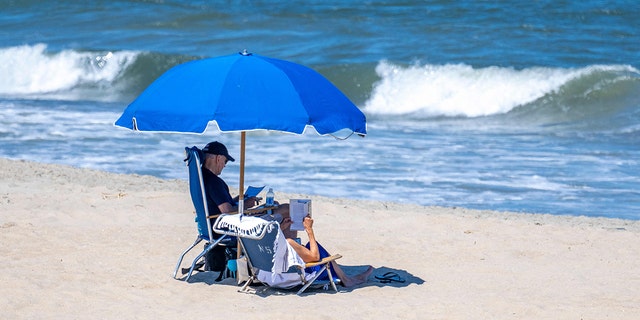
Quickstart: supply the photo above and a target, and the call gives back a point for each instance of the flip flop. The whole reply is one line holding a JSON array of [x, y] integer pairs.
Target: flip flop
[[390, 277], [198, 267]]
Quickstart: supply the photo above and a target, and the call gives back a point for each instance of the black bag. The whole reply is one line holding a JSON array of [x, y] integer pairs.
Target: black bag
[[216, 259]]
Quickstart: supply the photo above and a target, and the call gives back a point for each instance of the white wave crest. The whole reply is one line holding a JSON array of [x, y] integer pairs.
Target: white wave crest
[[460, 90], [30, 70]]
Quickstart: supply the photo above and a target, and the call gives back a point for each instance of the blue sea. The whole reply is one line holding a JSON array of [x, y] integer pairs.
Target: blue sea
[[525, 106]]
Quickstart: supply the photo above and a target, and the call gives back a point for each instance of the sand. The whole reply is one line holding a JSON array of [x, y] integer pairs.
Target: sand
[[84, 244]]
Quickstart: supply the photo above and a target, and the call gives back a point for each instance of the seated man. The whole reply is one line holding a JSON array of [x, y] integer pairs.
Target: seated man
[[219, 199]]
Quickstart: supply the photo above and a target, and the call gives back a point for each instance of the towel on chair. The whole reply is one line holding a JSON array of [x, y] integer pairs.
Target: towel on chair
[[241, 226], [285, 257]]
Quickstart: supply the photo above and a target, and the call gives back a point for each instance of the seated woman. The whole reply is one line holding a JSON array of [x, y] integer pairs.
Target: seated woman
[[314, 252]]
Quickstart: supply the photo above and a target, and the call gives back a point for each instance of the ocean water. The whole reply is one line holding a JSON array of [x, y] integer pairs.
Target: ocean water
[[525, 106]]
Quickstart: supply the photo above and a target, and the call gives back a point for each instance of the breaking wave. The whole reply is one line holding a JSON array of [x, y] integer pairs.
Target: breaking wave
[[33, 72], [411, 92], [459, 90]]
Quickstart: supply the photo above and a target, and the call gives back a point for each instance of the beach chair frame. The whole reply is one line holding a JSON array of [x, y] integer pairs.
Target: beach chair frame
[[199, 199], [259, 251]]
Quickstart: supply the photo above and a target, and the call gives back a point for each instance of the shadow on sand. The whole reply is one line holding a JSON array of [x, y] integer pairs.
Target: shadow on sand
[[383, 277], [380, 277]]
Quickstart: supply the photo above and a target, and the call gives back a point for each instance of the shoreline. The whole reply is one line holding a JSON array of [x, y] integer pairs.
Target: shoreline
[[81, 243], [431, 209]]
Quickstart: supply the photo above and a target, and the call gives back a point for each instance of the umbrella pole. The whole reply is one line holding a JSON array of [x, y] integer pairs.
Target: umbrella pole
[[241, 191], [241, 188]]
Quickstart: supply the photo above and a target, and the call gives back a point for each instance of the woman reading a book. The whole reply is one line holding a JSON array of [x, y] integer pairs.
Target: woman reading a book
[[313, 252]]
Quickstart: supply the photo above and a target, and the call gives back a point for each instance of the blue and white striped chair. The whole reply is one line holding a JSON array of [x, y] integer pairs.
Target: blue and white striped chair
[[270, 258]]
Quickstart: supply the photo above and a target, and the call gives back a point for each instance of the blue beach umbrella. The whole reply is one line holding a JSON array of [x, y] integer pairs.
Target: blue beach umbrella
[[242, 92]]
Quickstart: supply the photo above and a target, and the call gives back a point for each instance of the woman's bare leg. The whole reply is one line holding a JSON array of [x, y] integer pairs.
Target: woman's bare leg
[[351, 281]]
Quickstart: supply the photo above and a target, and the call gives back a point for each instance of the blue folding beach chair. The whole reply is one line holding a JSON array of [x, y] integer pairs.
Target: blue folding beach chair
[[199, 199], [259, 238]]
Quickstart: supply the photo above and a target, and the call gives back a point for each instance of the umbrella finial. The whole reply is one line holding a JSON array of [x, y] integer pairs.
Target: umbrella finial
[[245, 53]]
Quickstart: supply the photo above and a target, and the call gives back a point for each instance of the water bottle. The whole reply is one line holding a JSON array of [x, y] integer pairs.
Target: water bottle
[[269, 200]]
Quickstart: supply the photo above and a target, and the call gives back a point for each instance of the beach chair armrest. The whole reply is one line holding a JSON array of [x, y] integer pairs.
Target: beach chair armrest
[[251, 211], [323, 261], [259, 209]]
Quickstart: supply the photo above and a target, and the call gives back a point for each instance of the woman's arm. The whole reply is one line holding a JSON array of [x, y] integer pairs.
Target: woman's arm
[[308, 255]]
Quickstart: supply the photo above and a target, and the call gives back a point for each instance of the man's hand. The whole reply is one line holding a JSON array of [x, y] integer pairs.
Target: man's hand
[[250, 202]]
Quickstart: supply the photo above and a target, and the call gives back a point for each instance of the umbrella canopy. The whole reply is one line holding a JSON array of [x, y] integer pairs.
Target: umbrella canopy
[[242, 92]]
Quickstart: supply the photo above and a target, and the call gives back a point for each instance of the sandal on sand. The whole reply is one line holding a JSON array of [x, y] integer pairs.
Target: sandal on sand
[[199, 267], [390, 277]]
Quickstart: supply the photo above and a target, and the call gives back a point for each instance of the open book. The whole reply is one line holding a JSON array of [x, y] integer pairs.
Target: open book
[[298, 209], [252, 191]]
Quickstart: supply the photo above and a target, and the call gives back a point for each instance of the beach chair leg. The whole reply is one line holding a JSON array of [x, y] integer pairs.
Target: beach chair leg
[[207, 249], [193, 265], [249, 281], [306, 285], [333, 284], [175, 272]]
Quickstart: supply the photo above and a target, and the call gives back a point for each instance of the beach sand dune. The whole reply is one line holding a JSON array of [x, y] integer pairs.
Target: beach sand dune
[[83, 244]]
